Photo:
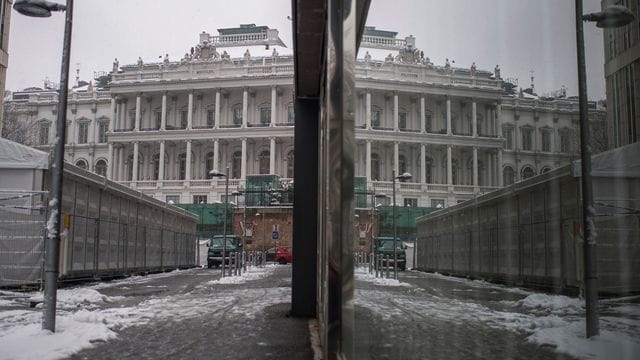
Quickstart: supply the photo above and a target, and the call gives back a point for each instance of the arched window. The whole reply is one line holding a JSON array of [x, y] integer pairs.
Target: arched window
[[130, 167], [455, 167], [527, 172], [237, 114], [182, 170], [101, 168], [375, 167], [290, 158], [208, 166], [402, 165], [236, 165], [508, 176], [545, 169], [428, 170], [82, 164], [264, 162], [156, 167]]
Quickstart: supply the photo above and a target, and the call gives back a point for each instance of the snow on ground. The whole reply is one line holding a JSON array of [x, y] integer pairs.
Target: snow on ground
[[362, 274], [85, 316], [252, 273], [547, 319]]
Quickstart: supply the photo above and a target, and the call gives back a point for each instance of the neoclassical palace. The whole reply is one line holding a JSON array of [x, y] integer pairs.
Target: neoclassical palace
[[160, 127]]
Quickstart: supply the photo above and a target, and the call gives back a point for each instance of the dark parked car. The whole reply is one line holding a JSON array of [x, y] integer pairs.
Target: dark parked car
[[214, 254], [384, 247], [271, 254]]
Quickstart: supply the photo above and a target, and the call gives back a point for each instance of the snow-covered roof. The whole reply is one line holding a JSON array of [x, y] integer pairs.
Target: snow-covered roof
[[18, 156], [621, 162]]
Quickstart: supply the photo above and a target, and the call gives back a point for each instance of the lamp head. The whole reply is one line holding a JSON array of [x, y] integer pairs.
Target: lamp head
[[216, 173], [612, 17], [37, 8]]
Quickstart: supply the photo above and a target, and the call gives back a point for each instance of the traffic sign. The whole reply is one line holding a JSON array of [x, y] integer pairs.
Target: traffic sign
[[275, 235]]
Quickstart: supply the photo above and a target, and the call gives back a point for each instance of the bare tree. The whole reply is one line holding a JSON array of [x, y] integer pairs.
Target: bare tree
[[23, 131]]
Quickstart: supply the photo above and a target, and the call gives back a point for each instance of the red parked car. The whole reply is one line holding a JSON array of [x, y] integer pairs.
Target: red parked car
[[284, 255]]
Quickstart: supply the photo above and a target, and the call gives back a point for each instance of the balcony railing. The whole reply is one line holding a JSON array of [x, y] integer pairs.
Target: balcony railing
[[230, 126]]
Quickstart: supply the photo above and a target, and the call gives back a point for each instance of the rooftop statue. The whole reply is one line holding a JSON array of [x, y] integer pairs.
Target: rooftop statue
[[116, 65], [389, 58], [140, 63], [473, 69], [447, 66], [274, 55], [496, 72], [367, 57], [247, 56], [225, 56]]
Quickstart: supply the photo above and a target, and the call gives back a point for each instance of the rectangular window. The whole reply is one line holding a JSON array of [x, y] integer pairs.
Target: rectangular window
[[526, 139], [265, 115], [183, 119], [410, 202], [375, 118], [199, 199], [507, 133], [132, 119], [402, 120], [83, 132], [158, 117], [237, 116], [546, 141], [211, 118], [291, 117], [565, 142], [102, 132], [173, 199], [44, 134]]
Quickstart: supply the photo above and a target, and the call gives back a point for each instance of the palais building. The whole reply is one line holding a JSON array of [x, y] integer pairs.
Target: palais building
[[161, 127]]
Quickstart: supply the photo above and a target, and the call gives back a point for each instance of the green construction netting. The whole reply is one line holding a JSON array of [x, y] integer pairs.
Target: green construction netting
[[210, 218], [405, 220], [259, 189]]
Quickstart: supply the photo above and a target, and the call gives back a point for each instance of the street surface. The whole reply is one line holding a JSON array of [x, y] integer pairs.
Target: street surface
[[194, 314]]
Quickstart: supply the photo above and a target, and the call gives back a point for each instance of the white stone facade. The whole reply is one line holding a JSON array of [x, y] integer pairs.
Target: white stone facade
[[453, 129]]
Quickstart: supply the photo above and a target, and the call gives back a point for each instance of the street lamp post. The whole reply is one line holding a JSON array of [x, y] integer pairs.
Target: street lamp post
[[374, 196], [244, 219], [41, 8], [612, 16], [216, 173], [404, 176]]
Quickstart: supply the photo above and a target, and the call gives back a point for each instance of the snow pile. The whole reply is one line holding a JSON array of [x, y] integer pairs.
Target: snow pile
[[365, 276], [77, 298], [555, 304], [252, 273]]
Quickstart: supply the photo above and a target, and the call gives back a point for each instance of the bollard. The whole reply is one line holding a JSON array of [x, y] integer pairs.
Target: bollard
[[377, 265], [238, 264], [387, 260]]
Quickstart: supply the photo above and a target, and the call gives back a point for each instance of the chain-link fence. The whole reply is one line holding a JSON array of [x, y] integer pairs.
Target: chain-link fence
[[22, 233]]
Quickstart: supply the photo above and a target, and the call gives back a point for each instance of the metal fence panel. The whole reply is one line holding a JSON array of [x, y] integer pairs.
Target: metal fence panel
[[22, 232]]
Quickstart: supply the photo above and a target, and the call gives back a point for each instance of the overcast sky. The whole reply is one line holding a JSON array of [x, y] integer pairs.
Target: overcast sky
[[520, 35]]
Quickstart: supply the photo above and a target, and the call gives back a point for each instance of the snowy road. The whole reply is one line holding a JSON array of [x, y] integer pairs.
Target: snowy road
[[429, 316], [193, 314]]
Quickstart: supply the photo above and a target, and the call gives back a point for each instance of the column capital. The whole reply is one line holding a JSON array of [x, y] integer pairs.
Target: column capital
[[189, 141]]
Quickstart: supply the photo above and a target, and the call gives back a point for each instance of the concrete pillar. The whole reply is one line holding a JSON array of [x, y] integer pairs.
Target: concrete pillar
[[136, 125], [163, 115], [423, 163], [396, 157], [190, 111], [216, 155], [134, 167], [474, 119], [161, 160], [110, 162], [243, 166], [245, 104], [423, 117], [449, 132], [475, 166], [114, 108], [367, 164], [121, 160], [499, 164], [274, 108], [272, 156], [368, 112], [395, 112], [449, 166], [187, 172], [217, 112]]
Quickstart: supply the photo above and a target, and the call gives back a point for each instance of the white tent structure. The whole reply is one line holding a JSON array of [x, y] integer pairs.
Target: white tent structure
[[21, 167]]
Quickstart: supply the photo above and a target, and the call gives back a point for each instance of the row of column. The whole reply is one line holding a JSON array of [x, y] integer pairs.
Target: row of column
[[494, 165], [119, 110], [116, 159], [474, 117]]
